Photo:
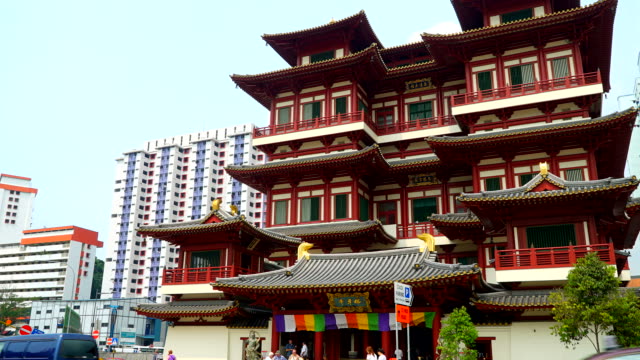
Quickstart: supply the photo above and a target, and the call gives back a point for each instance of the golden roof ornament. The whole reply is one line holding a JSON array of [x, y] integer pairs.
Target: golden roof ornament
[[332, 21], [303, 250], [215, 205], [544, 168], [234, 209], [429, 242]]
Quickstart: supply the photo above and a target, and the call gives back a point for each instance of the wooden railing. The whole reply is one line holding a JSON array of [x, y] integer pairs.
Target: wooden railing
[[414, 125], [526, 89], [413, 230], [319, 122], [550, 257], [200, 275]]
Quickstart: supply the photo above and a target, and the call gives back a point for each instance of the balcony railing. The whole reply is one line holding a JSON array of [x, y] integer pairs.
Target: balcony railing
[[414, 125], [200, 275], [564, 256], [526, 89], [413, 230], [311, 124]]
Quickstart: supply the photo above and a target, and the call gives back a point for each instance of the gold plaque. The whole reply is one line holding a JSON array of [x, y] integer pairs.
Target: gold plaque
[[354, 302]]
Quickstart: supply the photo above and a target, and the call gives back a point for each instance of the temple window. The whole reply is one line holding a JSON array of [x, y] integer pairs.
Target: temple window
[[492, 184], [311, 110], [341, 105], [560, 68], [422, 110], [341, 206], [362, 106], [280, 212], [525, 178], [484, 80], [284, 115], [364, 209], [325, 55], [424, 208], [387, 212], [384, 116], [521, 74], [574, 175], [551, 236], [516, 15], [310, 209], [201, 259]]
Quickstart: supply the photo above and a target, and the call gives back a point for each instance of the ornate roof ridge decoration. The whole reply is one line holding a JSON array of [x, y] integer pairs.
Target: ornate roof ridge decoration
[[373, 48], [565, 188], [466, 218], [536, 20], [566, 125], [177, 309], [633, 206], [357, 271], [514, 300], [401, 47]]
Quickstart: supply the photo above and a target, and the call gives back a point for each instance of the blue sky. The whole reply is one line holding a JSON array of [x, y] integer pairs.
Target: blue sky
[[81, 82]]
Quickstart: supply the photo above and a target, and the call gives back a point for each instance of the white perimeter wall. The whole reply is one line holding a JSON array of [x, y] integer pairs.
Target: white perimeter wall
[[531, 340], [210, 342]]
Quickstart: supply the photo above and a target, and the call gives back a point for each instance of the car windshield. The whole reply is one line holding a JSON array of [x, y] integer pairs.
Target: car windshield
[[79, 349]]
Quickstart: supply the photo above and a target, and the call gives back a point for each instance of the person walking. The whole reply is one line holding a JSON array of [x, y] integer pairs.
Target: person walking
[[381, 355], [171, 356], [288, 349], [278, 356], [371, 355], [304, 351]]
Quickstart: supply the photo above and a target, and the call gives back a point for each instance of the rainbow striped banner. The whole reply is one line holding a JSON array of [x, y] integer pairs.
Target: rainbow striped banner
[[361, 321]]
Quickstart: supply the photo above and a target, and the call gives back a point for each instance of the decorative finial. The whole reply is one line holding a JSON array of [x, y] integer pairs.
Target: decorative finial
[[544, 168], [429, 242], [332, 21], [215, 205], [234, 209], [303, 250]]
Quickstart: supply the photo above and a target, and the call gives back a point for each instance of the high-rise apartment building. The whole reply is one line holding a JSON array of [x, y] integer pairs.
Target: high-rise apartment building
[[168, 181], [16, 201]]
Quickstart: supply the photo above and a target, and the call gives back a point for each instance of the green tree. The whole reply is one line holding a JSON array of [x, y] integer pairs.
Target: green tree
[[592, 305], [457, 337], [96, 283], [12, 307]]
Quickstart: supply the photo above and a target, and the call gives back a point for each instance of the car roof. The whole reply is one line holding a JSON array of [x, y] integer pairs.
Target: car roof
[[46, 337]]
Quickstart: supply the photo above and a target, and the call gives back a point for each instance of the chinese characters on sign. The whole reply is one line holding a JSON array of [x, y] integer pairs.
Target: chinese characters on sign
[[423, 179], [354, 302], [419, 84]]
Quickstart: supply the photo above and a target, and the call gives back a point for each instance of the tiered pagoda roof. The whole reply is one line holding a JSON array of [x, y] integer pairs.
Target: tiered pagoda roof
[[516, 300], [369, 160], [568, 133], [215, 222], [321, 273], [175, 310], [287, 44], [460, 226]]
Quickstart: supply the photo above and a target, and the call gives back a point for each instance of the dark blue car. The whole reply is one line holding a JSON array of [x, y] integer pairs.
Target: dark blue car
[[48, 347]]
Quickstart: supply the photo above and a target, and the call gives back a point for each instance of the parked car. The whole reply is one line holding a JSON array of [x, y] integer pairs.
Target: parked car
[[621, 354], [49, 347]]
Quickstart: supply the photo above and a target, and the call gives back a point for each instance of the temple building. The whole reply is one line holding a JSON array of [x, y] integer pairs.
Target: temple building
[[476, 167]]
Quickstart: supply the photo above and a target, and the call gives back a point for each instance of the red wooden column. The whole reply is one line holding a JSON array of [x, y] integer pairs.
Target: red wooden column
[[294, 202], [268, 208], [275, 336], [508, 164], [542, 63], [387, 343], [355, 205], [327, 197], [404, 202], [296, 109], [435, 329], [318, 342], [444, 188]]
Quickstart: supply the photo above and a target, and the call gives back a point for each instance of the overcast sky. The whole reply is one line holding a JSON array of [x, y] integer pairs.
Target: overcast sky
[[81, 82]]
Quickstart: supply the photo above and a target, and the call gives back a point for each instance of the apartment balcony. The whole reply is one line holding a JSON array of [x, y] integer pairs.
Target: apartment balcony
[[531, 93], [545, 264], [196, 280], [412, 231]]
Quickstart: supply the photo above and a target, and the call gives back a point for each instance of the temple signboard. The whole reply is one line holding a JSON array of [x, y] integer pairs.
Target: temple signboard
[[423, 179], [419, 84], [350, 302]]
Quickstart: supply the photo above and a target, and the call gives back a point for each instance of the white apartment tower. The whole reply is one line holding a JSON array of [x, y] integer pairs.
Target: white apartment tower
[[16, 202], [172, 180]]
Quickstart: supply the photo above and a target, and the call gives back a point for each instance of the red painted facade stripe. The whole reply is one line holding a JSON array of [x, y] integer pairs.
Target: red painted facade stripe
[[18, 188], [79, 234], [15, 177]]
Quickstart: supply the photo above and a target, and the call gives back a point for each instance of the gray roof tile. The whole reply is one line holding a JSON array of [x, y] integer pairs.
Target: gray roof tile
[[515, 299], [407, 265]]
